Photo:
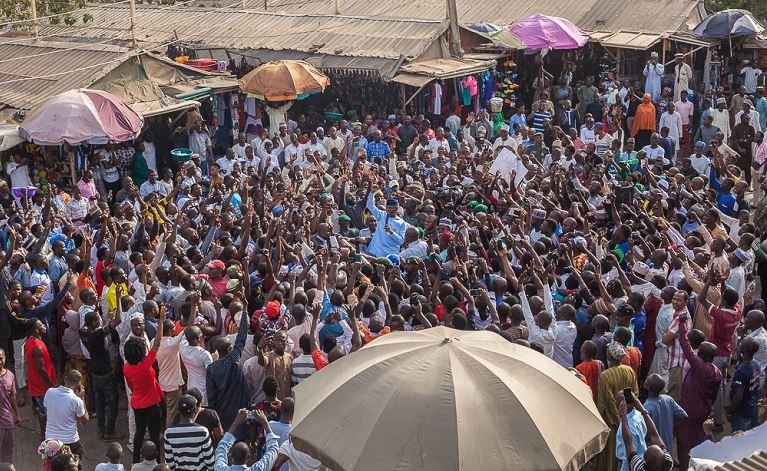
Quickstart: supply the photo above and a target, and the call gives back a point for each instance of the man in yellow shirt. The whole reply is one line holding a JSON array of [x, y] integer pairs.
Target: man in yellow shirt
[[118, 277]]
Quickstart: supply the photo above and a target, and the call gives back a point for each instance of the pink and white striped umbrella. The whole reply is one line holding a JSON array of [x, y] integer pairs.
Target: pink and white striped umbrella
[[549, 32], [81, 116]]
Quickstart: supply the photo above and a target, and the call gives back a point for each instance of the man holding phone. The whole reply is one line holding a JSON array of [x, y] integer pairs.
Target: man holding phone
[[637, 456], [68, 411]]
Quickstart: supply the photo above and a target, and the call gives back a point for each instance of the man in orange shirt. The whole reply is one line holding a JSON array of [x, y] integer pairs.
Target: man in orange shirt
[[590, 367], [633, 357]]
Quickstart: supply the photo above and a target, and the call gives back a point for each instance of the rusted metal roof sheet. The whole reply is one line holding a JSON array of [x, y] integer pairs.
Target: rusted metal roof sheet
[[237, 29], [31, 73], [755, 462], [651, 16]]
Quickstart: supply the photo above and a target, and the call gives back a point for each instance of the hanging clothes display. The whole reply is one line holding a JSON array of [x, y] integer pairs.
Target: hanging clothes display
[[436, 98], [487, 79], [252, 114], [465, 94]]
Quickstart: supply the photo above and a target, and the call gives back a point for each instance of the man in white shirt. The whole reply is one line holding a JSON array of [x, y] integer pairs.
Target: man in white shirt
[[196, 359], [654, 151], [566, 333], [504, 140], [239, 147], [17, 169], [77, 207], [153, 185], [453, 122], [588, 135], [315, 146], [750, 75], [672, 120], [542, 330], [258, 141], [270, 157], [227, 162], [682, 76], [333, 141], [250, 159], [65, 408], [294, 152], [439, 141], [321, 136], [686, 109], [150, 151]]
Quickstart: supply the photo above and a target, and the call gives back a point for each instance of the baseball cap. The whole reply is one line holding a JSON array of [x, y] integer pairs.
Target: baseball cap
[[216, 264], [272, 309], [187, 404]]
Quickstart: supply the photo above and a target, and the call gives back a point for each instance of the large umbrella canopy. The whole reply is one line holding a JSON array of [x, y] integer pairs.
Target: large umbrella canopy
[[443, 399], [728, 23], [81, 116], [549, 32], [284, 80]]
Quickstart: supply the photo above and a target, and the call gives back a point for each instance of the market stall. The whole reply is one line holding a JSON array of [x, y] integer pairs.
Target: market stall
[[73, 118]]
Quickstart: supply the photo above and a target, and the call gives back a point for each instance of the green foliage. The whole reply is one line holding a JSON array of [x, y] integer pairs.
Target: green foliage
[[20, 10]]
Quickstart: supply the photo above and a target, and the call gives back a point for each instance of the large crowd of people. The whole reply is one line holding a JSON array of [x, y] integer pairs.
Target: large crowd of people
[[625, 244]]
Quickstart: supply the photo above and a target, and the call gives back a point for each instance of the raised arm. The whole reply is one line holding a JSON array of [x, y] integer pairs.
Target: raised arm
[[161, 321]]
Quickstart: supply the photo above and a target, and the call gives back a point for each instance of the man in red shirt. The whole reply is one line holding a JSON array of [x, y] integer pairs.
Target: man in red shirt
[[727, 317], [41, 375]]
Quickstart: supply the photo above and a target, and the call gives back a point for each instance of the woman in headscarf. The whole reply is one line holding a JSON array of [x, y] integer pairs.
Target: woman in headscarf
[[644, 122]]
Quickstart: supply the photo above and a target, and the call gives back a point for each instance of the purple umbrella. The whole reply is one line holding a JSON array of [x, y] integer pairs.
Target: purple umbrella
[[81, 116], [549, 32]]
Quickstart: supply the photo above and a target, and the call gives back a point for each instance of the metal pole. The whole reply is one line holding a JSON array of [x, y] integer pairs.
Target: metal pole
[[35, 27], [338, 7], [133, 23]]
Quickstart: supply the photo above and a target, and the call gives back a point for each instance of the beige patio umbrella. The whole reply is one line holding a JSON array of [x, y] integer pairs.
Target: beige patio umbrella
[[284, 80], [443, 400]]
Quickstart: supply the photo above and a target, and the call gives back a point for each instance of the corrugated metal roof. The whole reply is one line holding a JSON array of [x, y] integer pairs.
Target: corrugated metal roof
[[755, 462], [447, 68], [237, 29], [654, 16], [384, 66], [31, 73], [627, 39]]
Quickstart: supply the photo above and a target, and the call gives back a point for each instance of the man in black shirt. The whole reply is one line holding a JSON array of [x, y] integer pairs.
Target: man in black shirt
[[96, 337]]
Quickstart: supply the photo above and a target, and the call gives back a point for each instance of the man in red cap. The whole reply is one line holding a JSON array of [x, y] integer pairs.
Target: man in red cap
[[272, 318], [217, 278]]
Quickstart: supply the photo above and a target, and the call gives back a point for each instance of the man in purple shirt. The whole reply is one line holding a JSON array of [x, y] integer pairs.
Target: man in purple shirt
[[699, 391]]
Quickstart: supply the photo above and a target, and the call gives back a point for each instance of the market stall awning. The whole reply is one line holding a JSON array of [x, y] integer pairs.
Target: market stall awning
[[418, 74], [756, 42], [688, 38], [414, 80], [166, 105], [9, 136], [626, 39]]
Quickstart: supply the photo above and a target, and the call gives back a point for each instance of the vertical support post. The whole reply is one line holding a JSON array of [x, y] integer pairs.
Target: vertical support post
[[133, 23], [35, 26]]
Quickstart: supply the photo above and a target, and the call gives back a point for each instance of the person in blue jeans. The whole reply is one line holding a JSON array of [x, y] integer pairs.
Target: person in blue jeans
[[744, 392]]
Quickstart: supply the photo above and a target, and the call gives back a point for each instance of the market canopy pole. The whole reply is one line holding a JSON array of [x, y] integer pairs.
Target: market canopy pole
[[35, 27], [455, 30], [133, 22]]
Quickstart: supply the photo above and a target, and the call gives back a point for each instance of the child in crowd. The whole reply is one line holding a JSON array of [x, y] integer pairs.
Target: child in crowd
[[590, 367]]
